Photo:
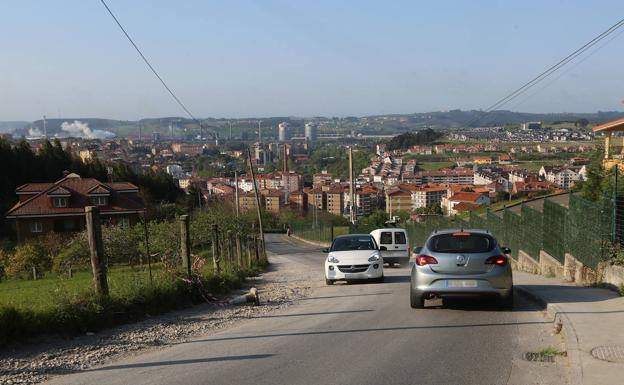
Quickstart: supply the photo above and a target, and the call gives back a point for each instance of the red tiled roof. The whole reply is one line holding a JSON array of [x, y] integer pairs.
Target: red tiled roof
[[41, 204], [614, 125], [58, 190], [33, 187], [99, 189], [465, 206]]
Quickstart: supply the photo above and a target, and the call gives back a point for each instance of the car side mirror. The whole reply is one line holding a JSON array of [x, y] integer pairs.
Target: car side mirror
[[382, 248], [506, 250], [417, 250], [326, 250]]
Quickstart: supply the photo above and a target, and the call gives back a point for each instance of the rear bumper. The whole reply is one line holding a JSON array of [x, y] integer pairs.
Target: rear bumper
[[496, 282], [401, 260]]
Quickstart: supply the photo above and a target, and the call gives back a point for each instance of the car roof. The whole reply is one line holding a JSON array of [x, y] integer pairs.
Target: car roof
[[352, 235], [450, 231], [390, 229]]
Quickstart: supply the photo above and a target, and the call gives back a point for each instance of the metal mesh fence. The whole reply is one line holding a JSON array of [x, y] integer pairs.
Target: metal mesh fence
[[531, 234], [554, 229], [589, 230], [512, 223], [496, 226]]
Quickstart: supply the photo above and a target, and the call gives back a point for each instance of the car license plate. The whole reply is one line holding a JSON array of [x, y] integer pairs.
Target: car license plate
[[462, 283], [352, 275]]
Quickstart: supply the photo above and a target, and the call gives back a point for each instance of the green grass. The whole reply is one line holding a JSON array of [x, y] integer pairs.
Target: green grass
[[551, 351], [67, 306], [432, 166]]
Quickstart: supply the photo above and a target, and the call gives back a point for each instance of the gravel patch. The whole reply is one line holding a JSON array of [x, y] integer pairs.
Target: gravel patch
[[281, 286]]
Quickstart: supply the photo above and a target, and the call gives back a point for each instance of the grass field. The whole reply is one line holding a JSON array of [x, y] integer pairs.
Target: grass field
[[43, 294], [430, 166]]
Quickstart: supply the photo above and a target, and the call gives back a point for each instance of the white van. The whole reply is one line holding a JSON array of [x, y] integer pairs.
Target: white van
[[396, 243]]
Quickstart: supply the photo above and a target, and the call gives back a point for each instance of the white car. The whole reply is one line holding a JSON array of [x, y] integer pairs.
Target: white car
[[353, 257]]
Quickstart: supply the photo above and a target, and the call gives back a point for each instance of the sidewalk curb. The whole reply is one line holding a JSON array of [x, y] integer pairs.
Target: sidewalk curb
[[575, 369]]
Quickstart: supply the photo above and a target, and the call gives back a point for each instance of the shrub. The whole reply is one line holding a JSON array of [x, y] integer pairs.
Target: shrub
[[26, 259], [75, 256]]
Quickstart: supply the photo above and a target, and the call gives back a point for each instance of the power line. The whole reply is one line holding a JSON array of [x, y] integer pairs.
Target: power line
[[552, 69], [150, 65]]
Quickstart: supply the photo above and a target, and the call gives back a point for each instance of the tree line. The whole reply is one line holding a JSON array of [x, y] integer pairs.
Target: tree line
[[409, 139], [19, 164]]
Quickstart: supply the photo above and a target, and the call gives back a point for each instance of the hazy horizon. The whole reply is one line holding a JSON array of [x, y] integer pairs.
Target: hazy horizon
[[277, 58]]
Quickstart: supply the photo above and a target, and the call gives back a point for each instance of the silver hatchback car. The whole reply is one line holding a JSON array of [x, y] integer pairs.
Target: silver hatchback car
[[461, 263]]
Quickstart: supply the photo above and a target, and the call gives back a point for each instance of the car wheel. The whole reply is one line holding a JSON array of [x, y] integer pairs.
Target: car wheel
[[329, 281], [416, 301], [507, 302]]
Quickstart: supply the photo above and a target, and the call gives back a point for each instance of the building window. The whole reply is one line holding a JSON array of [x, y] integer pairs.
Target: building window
[[36, 227], [69, 224], [59, 202], [124, 222], [100, 201]]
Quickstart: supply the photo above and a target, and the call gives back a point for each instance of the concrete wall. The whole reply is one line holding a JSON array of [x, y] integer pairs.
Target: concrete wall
[[527, 263], [572, 270], [549, 266]]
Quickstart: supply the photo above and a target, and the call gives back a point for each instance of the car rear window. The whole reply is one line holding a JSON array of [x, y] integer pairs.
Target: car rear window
[[386, 238], [461, 242], [399, 238]]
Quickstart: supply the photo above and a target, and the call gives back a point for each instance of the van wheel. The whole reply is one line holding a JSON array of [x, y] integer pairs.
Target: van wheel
[[416, 301], [329, 281]]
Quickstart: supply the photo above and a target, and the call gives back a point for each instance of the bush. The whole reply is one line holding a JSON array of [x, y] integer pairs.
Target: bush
[[75, 256], [4, 260], [26, 259]]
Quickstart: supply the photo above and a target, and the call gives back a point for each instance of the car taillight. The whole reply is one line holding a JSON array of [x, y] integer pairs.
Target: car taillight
[[499, 260], [423, 260]]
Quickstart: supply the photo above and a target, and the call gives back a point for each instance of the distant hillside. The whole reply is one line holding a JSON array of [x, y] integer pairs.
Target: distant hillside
[[474, 118], [378, 124], [12, 126]]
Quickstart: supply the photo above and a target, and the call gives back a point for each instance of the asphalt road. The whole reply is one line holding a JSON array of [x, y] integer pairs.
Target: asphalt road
[[347, 334]]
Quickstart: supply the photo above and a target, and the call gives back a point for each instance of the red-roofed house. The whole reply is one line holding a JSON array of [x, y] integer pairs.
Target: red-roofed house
[[59, 207], [473, 198]]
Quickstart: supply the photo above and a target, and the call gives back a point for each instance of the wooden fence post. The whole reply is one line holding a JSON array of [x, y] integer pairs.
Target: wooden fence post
[[230, 249], [216, 259], [96, 248], [185, 243], [239, 251]]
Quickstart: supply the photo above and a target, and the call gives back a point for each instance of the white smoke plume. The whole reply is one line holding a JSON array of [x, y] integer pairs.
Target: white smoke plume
[[79, 129], [35, 132]]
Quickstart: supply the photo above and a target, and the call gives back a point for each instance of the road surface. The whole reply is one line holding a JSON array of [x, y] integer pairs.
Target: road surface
[[350, 334]]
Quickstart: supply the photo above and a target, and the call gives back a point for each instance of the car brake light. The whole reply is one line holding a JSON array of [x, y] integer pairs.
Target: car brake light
[[499, 260], [423, 260], [461, 234]]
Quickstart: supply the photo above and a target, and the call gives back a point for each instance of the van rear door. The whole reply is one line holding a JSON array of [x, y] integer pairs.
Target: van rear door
[[400, 244]]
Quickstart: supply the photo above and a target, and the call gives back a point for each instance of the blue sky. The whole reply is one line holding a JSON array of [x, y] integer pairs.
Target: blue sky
[[331, 58]]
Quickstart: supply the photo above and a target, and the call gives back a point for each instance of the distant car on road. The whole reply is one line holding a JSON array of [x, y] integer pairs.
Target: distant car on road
[[353, 257], [461, 263], [396, 242]]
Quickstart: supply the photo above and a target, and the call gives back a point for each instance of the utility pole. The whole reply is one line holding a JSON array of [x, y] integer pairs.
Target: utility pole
[[45, 127], [351, 188], [255, 186], [236, 193]]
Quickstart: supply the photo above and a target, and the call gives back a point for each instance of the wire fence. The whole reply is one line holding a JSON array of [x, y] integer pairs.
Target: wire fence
[[589, 231]]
